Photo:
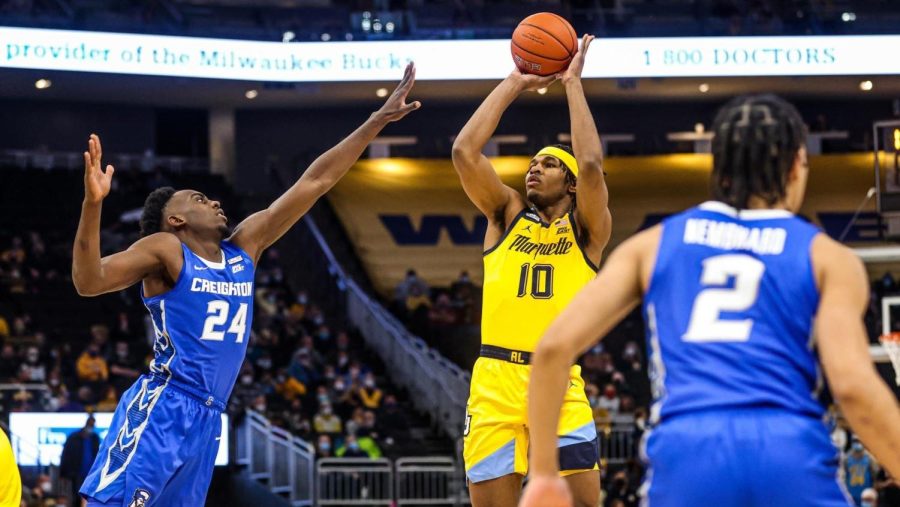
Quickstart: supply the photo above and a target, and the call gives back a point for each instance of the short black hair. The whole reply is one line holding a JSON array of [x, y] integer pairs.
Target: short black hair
[[755, 143], [152, 216]]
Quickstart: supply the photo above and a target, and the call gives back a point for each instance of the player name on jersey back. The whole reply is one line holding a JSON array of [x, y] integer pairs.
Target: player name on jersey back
[[732, 236], [222, 288]]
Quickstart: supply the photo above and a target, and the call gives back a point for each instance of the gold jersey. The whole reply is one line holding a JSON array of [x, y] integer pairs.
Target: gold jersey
[[529, 277]]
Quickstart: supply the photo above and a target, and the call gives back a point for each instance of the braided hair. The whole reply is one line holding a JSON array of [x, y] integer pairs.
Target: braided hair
[[152, 215], [755, 143]]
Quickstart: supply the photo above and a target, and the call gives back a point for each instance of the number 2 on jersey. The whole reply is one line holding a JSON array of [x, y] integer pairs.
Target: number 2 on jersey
[[706, 323], [217, 312]]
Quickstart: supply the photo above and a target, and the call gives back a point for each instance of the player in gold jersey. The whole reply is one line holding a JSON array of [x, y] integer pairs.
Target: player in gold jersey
[[540, 249]]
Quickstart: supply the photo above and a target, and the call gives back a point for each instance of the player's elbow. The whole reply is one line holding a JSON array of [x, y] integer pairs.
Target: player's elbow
[[551, 350], [82, 285], [463, 153], [849, 387]]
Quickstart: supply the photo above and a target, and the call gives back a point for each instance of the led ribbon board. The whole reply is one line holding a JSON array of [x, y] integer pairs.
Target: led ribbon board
[[156, 55], [40, 436]]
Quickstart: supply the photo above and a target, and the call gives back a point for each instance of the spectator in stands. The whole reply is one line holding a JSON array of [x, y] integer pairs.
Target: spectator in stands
[[368, 393], [620, 489], [100, 338], [346, 398], [869, 498], [123, 369], [295, 419], [369, 427], [323, 447], [858, 471], [109, 401], [260, 404], [443, 313], [327, 422], [351, 448], [31, 370], [67, 404], [244, 393], [9, 363], [302, 368], [404, 288], [392, 419], [323, 338], [78, 455], [610, 400], [324, 396], [92, 368]]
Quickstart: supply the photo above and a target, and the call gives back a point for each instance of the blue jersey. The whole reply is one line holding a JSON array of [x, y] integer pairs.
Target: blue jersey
[[729, 313], [203, 323]]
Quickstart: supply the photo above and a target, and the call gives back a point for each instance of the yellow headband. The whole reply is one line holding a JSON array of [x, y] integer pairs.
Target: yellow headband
[[563, 157]]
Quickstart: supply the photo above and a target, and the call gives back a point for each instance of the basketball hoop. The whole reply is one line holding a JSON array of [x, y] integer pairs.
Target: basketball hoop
[[891, 344]]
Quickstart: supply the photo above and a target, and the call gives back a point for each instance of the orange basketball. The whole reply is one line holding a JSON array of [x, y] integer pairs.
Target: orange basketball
[[543, 44]]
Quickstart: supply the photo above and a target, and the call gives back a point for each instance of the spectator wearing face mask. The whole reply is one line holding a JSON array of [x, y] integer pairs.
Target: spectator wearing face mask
[[351, 449], [369, 394], [78, 455], [868, 498], [259, 404], [327, 422], [92, 369], [32, 370], [323, 447], [858, 471]]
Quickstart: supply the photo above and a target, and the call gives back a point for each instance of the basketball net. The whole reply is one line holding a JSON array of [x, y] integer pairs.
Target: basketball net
[[891, 344]]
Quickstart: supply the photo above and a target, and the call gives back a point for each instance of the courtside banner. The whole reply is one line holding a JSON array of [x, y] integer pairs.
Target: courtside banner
[[39, 437], [157, 55], [413, 213]]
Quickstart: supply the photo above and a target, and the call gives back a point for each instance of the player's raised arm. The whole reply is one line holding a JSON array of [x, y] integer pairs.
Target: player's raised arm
[[865, 400], [91, 274], [597, 308], [479, 180], [591, 193], [263, 228]]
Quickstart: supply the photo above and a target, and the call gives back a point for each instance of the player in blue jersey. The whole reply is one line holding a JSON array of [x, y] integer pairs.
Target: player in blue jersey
[[732, 290], [197, 283]]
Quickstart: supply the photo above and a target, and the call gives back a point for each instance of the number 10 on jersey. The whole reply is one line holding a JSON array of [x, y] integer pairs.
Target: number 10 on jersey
[[540, 281]]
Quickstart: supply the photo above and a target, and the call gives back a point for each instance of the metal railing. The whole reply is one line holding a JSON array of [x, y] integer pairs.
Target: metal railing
[[354, 481], [617, 444], [428, 481], [438, 387], [285, 463]]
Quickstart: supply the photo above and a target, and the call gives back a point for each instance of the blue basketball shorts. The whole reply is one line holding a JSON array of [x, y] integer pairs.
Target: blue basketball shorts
[[741, 458], [160, 449]]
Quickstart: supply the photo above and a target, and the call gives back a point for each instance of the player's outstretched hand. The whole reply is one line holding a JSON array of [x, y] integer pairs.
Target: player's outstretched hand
[[395, 107], [530, 82], [546, 492], [96, 181], [573, 71]]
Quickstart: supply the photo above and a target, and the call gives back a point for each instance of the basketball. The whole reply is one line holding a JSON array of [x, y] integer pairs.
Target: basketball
[[543, 44]]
